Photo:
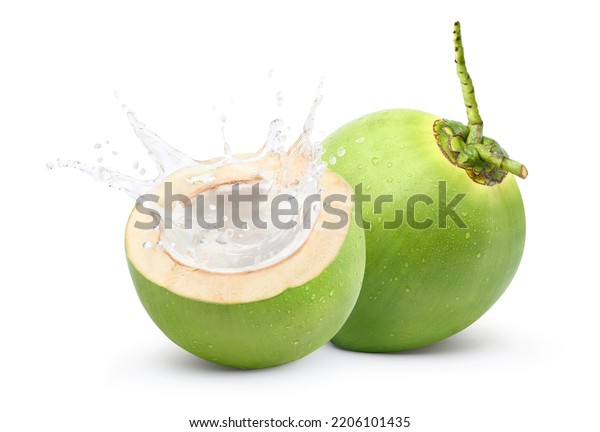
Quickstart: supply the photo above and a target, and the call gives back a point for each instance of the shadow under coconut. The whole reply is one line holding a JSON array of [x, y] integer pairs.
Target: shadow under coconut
[[465, 342], [473, 341], [185, 362]]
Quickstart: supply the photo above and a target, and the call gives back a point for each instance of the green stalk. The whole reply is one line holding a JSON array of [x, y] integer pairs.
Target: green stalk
[[475, 123], [501, 161]]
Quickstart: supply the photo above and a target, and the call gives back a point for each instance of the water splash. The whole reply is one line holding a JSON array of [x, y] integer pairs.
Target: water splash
[[294, 173], [166, 158]]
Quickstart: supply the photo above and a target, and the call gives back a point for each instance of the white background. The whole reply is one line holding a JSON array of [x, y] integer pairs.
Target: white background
[[79, 352]]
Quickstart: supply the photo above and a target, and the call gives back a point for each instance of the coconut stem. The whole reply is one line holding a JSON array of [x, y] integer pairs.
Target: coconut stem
[[503, 162], [475, 123]]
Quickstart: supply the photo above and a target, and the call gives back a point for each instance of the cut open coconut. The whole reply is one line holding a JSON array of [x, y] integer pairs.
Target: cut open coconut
[[225, 305]]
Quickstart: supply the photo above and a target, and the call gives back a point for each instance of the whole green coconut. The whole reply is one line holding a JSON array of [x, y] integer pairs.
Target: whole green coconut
[[444, 220]]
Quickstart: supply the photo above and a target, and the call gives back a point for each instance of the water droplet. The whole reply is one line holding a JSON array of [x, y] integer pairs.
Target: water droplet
[[375, 161], [295, 342], [368, 187], [407, 289], [99, 160], [359, 140], [226, 146], [114, 153], [332, 160], [212, 207], [390, 180], [222, 239], [468, 235], [464, 213], [97, 146], [142, 171], [210, 345], [359, 166], [390, 164], [135, 164], [147, 245], [331, 293], [279, 98], [223, 118], [341, 151], [479, 255]]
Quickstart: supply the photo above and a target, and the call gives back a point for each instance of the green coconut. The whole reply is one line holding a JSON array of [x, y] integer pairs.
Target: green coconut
[[259, 318], [447, 241]]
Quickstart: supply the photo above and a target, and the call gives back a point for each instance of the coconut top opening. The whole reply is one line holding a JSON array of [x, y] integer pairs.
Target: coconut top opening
[[239, 264], [240, 217]]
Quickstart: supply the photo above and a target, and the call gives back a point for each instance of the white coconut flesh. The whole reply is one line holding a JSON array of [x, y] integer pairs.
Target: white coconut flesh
[[302, 262]]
